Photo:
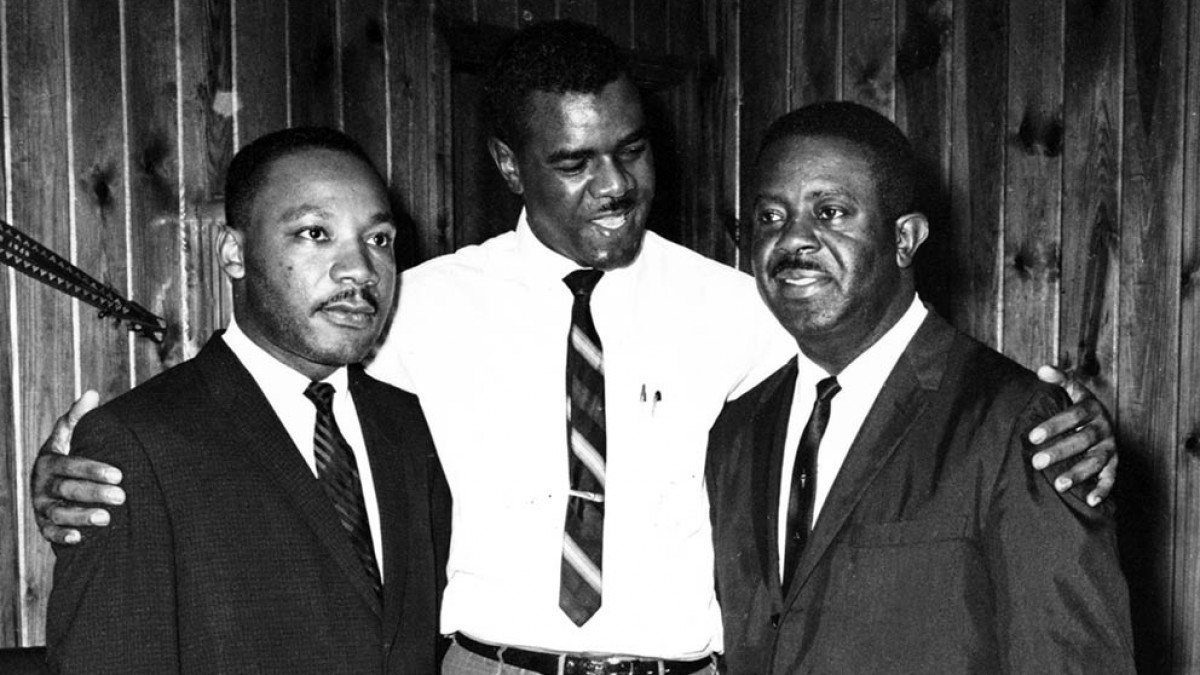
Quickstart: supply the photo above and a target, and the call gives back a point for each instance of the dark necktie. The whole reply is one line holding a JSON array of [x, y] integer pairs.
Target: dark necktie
[[583, 536], [338, 474], [804, 479]]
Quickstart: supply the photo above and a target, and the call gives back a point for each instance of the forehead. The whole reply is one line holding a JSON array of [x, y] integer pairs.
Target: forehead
[[320, 175], [807, 165], [577, 119]]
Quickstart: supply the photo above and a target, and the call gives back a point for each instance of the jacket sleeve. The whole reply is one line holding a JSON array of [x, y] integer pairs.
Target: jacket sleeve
[[1062, 604], [112, 606]]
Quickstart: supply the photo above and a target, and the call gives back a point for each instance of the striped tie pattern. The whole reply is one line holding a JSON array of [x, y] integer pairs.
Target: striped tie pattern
[[583, 536], [802, 498], [338, 474]]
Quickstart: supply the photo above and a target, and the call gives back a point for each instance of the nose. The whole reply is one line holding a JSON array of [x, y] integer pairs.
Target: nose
[[800, 234], [611, 179], [354, 264]]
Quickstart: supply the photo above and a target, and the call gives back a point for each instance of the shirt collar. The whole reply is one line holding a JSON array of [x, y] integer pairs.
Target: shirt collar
[[873, 366], [276, 379], [542, 264]]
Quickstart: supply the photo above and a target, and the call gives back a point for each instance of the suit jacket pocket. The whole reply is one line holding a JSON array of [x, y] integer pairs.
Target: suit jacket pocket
[[909, 532]]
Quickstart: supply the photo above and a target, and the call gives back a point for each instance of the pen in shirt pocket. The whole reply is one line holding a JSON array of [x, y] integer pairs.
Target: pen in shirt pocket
[[651, 399]]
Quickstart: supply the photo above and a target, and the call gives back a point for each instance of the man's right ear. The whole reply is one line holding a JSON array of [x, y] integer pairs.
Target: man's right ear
[[231, 248], [506, 162]]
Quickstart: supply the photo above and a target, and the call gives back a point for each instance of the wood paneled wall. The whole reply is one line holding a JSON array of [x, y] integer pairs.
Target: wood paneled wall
[[1061, 142]]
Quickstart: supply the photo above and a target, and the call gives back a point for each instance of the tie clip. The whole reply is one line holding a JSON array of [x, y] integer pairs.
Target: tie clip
[[589, 496]]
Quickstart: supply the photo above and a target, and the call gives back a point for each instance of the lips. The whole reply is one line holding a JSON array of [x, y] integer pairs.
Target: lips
[[799, 275], [356, 312], [612, 223]]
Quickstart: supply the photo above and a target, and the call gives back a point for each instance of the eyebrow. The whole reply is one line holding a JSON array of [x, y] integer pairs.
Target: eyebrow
[[587, 153], [298, 212]]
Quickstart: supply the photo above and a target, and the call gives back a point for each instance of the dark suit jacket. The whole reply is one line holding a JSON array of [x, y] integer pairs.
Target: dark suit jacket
[[228, 557], [938, 550]]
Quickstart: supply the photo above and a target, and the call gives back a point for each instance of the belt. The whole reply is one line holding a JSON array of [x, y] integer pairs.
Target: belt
[[547, 663]]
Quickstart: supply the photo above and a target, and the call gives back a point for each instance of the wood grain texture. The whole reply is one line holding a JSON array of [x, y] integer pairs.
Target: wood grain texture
[[924, 109], [11, 464], [1091, 185], [587, 11], [1033, 182], [312, 52], [869, 54], [37, 119], [98, 174], [206, 38], [1186, 614], [977, 167], [765, 64], [615, 18], [261, 70], [530, 12], [157, 235], [814, 52], [1149, 305], [650, 25], [364, 77]]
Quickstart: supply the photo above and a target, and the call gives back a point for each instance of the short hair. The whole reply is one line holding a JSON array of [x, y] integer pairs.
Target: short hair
[[248, 171], [556, 57], [891, 156]]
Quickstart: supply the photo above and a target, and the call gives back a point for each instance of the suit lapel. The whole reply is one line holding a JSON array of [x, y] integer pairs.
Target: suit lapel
[[392, 487], [770, 431], [899, 407], [246, 413]]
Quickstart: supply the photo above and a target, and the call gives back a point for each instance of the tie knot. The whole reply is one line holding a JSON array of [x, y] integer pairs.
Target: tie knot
[[826, 388], [581, 282], [321, 394]]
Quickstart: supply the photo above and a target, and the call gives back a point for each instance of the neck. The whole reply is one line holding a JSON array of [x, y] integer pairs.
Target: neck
[[837, 348]]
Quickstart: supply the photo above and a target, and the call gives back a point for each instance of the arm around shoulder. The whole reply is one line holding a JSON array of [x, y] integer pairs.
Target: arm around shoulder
[[112, 606], [1062, 604]]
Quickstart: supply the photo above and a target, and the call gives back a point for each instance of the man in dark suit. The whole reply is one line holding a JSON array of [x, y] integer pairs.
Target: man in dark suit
[[282, 505], [874, 506]]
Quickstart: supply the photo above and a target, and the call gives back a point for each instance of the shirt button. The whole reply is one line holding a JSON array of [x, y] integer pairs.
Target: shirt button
[[775, 621]]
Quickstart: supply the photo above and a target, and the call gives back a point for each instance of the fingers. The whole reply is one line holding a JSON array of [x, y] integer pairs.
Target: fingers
[[60, 437], [60, 535], [1074, 388], [1088, 414], [1104, 486], [55, 466]]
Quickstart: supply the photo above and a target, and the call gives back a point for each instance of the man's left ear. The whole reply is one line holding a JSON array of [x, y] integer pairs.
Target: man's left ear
[[911, 231]]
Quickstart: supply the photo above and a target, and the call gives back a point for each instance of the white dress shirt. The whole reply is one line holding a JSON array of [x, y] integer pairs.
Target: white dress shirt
[[860, 383], [481, 337], [284, 389]]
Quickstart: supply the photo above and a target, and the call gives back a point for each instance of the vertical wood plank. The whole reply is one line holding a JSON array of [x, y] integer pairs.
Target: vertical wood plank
[[98, 174], [206, 39], [587, 11], [764, 30], [530, 12], [1156, 43], [869, 54], [650, 25], [924, 110], [1091, 207], [261, 68], [37, 118], [1186, 620], [154, 183], [1033, 181], [977, 166], [496, 12], [616, 20], [364, 77], [313, 57], [724, 131], [420, 145], [11, 502], [814, 66]]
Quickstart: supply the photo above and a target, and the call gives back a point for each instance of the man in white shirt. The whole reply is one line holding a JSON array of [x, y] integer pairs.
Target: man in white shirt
[[875, 505], [481, 336]]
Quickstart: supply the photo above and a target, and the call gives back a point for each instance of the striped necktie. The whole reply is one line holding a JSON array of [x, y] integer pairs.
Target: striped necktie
[[583, 537], [338, 475], [802, 497]]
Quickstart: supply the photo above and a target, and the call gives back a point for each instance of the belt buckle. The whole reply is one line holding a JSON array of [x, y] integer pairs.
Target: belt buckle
[[613, 666]]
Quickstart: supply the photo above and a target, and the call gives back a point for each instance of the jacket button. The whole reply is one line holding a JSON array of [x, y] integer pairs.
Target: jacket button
[[775, 621]]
